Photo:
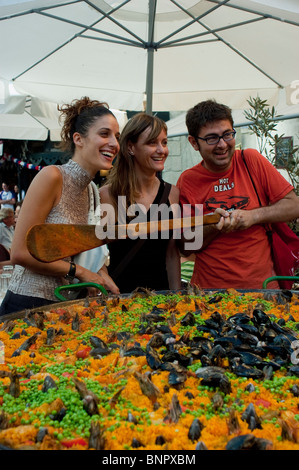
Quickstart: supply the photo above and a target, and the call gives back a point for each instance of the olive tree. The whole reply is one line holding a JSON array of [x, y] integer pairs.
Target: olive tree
[[263, 121]]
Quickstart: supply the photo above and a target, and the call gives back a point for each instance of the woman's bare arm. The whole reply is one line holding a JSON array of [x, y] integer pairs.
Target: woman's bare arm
[[43, 194]]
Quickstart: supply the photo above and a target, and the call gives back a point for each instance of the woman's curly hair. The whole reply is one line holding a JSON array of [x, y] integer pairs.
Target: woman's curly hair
[[79, 116]]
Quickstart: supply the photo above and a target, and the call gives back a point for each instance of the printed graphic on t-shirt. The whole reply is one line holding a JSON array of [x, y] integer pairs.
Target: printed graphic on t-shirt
[[223, 200], [227, 202], [224, 185]]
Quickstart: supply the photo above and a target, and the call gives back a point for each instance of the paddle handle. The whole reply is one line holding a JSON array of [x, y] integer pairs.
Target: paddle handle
[[52, 242]]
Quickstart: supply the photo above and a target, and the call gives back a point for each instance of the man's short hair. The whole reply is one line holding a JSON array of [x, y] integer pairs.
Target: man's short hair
[[204, 113], [5, 212]]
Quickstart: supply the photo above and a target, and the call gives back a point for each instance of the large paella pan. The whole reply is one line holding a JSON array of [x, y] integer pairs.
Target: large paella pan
[[190, 370]]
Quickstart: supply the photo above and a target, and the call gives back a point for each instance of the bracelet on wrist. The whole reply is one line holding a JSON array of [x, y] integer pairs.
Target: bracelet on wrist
[[72, 272]]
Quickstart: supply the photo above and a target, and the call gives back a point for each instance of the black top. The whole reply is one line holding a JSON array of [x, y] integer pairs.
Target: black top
[[147, 268]]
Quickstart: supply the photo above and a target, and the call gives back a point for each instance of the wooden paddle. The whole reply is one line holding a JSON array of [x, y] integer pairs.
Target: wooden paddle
[[52, 242]]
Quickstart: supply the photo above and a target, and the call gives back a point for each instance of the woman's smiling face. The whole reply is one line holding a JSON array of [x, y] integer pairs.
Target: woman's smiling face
[[150, 154], [99, 148]]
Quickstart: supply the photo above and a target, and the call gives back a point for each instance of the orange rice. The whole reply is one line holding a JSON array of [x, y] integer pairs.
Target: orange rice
[[128, 418]]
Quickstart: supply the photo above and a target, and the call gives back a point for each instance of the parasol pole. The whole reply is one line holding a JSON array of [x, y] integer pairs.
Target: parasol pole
[[150, 56]]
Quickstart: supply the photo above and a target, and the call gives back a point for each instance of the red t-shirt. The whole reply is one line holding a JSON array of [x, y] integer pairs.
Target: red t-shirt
[[239, 259]]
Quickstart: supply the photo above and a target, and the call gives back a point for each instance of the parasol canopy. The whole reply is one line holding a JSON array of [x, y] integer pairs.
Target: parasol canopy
[[158, 55]]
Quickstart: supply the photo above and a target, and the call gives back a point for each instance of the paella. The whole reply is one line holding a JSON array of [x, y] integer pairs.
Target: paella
[[172, 371]]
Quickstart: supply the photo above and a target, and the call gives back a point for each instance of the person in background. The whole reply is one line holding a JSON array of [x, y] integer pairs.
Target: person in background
[[7, 224], [235, 252], [60, 194], [143, 151], [18, 195], [7, 199]]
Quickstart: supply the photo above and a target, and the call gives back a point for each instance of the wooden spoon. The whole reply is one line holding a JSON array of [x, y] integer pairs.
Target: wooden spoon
[[51, 242]]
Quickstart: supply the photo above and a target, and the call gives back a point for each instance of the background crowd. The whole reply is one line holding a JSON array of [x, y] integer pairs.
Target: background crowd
[[10, 205]]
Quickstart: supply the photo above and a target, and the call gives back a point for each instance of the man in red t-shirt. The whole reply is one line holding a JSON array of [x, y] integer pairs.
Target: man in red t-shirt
[[235, 252]]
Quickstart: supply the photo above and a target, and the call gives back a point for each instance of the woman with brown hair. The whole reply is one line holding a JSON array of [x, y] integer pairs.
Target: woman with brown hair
[[60, 194], [133, 187]]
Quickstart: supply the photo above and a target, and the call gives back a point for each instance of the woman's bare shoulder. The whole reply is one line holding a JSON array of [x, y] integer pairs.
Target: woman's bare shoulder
[[51, 171], [51, 174], [46, 186]]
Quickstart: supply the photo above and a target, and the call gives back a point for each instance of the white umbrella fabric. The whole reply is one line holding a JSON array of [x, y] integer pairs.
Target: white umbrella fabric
[[162, 54], [26, 125], [24, 117], [29, 118]]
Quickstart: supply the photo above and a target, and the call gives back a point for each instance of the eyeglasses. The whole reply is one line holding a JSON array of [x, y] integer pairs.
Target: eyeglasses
[[214, 139]]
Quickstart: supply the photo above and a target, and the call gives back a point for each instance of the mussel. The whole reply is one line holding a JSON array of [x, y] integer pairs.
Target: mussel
[[251, 418], [214, 377], [195, 429]]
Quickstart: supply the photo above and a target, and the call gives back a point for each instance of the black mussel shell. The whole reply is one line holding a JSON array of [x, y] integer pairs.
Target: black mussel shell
[[201, 446], [136, 443], [58, 416], [48, 383], [160, 440], [206, 329], [295, 390], [51, 333], [250, 329], [157, 311], [217, 401], [163, 329], [171, 356], [251, 418], [243, 370], [217, 352], [214, 377], [153, 358], [16, 335], [195, 429], [41, 434], [203, 343], [250, 388], [98, 352], [188, 319], [154, 317], [247, 338], [243, 442], [214, 300], [260, 318], [136, 351], [228, 341], [97, 342], [205, 361], [239, 318], [217, 318], [176, 378], [156, 341]]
